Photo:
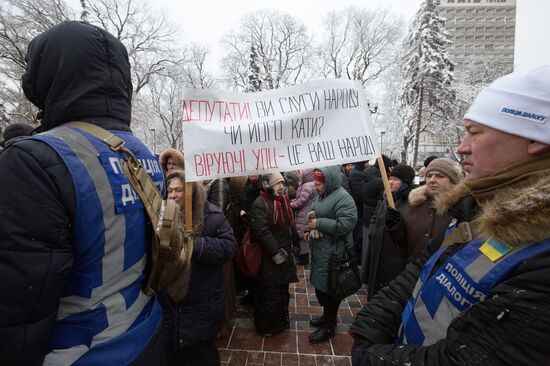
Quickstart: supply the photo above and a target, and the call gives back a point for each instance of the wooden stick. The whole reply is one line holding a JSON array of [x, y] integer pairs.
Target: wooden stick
[[382, 168], [188, 205]]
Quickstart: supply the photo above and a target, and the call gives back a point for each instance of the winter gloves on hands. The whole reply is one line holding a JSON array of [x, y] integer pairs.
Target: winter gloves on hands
[[280, 257], [392, 217]]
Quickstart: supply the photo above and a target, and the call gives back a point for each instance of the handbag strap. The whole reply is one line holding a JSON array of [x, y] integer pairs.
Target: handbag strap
[[133, 170]]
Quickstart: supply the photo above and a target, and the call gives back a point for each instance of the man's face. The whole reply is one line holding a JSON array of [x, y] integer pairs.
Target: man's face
[[319, 187], [437, 182], [488, 151], [395, 183]]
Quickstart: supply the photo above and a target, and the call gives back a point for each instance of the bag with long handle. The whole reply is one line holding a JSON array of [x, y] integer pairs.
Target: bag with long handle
[[343, 275], [169, 262]]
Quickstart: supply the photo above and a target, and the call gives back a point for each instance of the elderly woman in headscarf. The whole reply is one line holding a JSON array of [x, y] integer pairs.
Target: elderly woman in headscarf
[[192, 324], [272, 224]]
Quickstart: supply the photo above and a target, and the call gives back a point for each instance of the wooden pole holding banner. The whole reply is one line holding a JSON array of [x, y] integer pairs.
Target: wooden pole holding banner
[[189, 205], [382, 168]]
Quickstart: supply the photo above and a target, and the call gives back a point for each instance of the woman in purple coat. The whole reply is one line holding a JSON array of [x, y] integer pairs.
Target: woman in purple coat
[[302, 205]]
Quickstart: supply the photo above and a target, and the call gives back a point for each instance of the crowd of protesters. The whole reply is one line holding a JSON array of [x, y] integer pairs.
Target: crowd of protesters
[[437, 242]]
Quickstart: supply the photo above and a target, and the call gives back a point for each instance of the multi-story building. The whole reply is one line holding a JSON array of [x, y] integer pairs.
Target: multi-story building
[[482, 31], [483, 35]]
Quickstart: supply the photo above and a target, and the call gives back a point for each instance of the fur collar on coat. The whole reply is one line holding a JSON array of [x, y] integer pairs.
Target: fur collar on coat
[[418, 196], [517, 216]]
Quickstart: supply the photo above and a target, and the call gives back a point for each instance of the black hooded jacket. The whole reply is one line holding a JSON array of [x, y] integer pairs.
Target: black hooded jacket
[[75, 71]]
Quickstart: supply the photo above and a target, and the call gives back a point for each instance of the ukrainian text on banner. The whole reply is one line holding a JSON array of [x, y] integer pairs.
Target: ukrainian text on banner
[[316, 124]]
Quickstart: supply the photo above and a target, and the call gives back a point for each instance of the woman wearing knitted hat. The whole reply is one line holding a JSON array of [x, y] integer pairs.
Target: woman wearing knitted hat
[[330, 228], [385, 259], [418, 221], [272, 224]]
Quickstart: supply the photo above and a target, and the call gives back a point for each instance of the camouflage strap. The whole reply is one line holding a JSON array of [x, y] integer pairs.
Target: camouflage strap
[[462, 233], [172, 242]]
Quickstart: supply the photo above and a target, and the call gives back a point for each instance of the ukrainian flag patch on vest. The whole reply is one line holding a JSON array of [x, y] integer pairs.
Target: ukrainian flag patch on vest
[[494, 249]]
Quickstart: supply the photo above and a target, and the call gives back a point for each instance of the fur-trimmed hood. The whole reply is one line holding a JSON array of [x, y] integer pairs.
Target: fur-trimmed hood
[[516, 216], [418, 196], [173, 153]]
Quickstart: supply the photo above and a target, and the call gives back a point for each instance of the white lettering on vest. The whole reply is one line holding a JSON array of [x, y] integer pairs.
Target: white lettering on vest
[[128, 194], [457, 296], [116, 165], [463, 282]]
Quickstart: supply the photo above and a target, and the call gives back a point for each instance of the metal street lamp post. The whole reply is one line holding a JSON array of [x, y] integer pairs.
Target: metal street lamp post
[[382, 133], [154, 141]]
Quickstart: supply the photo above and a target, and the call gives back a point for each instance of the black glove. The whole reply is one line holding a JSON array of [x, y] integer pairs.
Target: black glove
[[392, 217], [280, 257]]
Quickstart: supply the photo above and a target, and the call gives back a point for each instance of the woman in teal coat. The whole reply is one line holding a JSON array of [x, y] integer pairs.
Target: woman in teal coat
[[331, 226]]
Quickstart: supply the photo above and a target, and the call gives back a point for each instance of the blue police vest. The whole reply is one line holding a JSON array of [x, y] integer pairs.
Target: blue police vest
[[462, 281], [103, 316]]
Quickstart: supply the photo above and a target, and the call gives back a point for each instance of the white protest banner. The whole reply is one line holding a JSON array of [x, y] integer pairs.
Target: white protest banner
[[320, 123]]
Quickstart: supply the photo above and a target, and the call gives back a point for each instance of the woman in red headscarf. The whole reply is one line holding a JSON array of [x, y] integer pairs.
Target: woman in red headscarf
[[331, 224]]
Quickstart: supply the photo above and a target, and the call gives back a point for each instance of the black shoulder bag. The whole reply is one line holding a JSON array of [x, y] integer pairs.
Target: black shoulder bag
[[343, 275]]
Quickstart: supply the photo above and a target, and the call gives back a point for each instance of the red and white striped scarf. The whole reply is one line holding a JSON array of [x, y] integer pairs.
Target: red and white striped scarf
[[278, 203]]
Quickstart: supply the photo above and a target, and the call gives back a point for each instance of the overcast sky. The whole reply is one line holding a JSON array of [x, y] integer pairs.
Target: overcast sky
[[206, 21]]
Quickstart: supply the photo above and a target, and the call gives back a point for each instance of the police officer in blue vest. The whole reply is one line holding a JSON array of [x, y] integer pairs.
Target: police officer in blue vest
[[73, 234], [483, 295]]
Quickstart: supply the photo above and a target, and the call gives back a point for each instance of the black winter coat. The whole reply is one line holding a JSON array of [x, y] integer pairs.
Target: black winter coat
[[272, 237], [355, 188], [249, 193], [386, 260], [371, 192], [509, 327], [37, 199], [200, 315]]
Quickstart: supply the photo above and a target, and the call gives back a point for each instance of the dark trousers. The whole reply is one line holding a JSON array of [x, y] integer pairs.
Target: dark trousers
[[199, 354], [271, 308], [330, 308]]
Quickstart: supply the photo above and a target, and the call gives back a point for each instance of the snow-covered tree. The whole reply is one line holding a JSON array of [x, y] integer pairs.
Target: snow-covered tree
[[359, 44], [193, 64], [428, 73], [254, 81], [20, 22], [468, 82], [150, 37], [282, 44]]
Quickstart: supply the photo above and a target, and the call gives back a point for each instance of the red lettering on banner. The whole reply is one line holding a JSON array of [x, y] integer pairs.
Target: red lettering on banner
[[227, 162], [266, 158], [215, 111]]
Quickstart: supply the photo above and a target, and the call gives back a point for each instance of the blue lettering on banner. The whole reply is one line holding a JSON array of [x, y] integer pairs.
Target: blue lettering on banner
[[523, 114], [126, 199]]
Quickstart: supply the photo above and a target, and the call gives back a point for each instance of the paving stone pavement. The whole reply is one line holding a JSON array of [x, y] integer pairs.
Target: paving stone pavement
[[244, 347]]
